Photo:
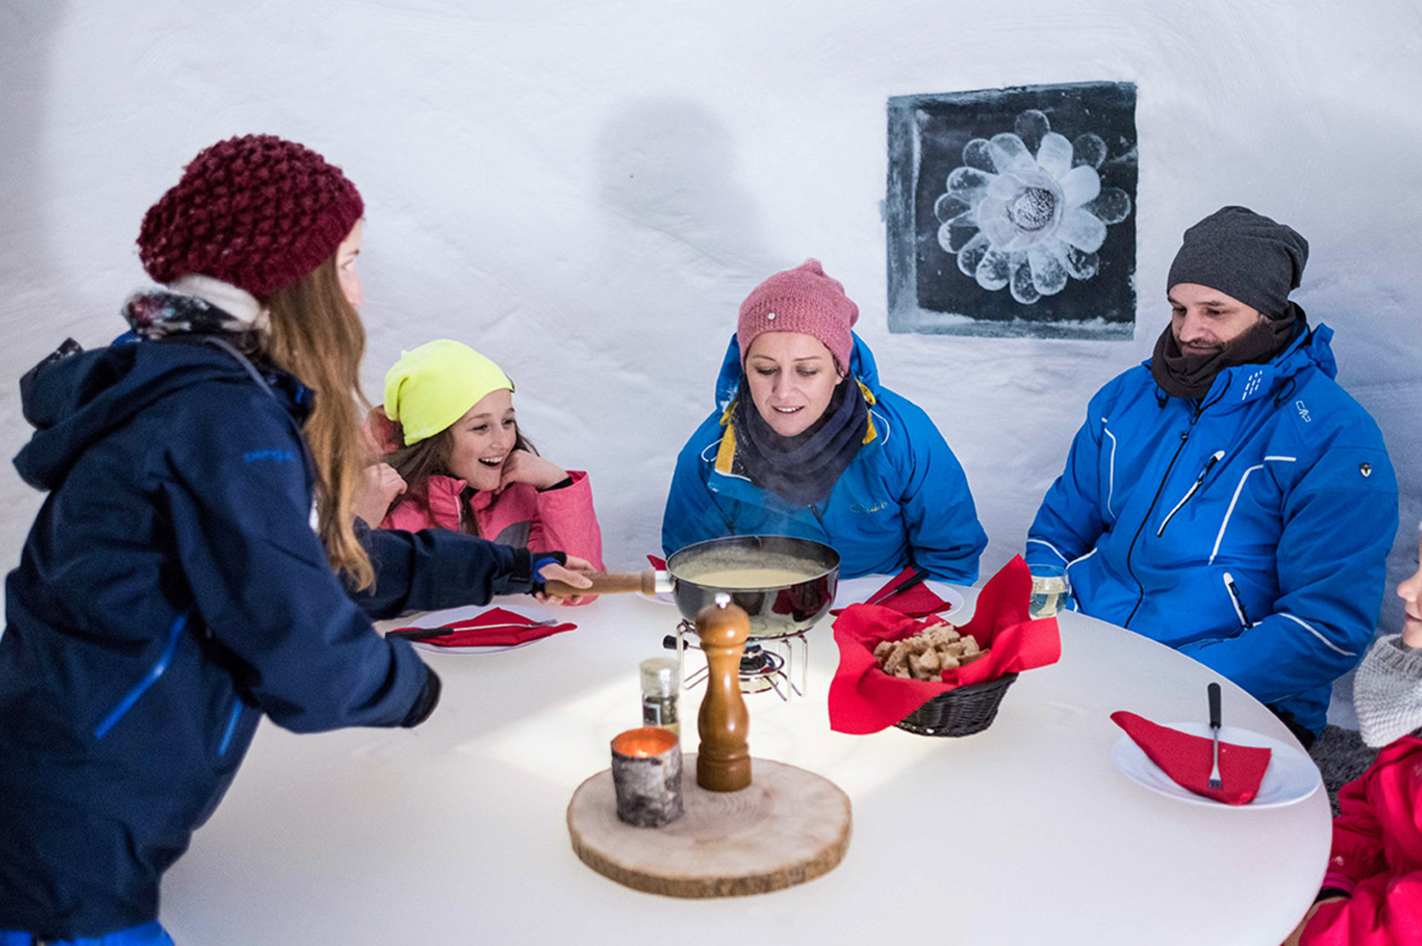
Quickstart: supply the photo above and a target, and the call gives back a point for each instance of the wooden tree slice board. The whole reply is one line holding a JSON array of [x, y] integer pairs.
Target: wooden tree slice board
[[788, 827]]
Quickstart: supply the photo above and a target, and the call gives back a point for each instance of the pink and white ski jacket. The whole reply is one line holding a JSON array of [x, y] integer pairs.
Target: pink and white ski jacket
[[559, 520]]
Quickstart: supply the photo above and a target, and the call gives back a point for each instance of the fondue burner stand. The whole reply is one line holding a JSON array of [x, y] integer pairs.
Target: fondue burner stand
[[769, 663]]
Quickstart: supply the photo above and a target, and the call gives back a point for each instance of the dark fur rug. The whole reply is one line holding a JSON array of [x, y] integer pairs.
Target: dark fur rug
[[1341, 756]]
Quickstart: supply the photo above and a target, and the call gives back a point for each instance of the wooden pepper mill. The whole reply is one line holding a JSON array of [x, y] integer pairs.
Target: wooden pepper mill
[[723, 763]]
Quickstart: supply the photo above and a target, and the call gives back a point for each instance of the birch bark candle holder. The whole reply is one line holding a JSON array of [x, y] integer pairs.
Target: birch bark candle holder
[[646, 775]]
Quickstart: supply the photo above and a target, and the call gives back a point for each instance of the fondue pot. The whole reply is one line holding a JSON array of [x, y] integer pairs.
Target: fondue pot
[[783, 584]]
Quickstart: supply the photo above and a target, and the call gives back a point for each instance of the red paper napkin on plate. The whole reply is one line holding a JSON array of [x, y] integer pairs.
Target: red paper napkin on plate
[[918, 601], [865, 699], [1189, 759], [494, 628]]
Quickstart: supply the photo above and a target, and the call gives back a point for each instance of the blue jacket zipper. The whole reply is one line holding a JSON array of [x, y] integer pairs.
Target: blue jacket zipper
[[1199, 481], [231, 727], [1237, 600], [157, 670], [1199, 409]]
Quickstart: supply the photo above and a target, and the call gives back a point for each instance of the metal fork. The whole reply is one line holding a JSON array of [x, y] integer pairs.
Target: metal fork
[[424, 633], [1216, 782]]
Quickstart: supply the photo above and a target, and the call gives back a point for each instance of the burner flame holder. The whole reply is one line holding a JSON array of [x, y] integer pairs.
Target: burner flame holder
[[782, 670]]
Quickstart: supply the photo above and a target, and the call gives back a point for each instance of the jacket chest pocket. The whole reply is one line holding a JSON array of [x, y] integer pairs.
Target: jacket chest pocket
[[1250, 519]]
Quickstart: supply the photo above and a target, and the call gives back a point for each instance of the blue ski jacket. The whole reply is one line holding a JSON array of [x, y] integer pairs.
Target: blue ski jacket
[[903, 499], [171, 593], [1249, 529]]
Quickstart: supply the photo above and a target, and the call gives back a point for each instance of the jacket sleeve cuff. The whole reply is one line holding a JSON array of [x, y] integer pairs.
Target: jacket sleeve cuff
[[520, 578], [1342, 883], [425, 702]]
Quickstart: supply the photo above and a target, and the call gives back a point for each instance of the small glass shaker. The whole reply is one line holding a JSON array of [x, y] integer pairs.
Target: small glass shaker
[[660, 685]]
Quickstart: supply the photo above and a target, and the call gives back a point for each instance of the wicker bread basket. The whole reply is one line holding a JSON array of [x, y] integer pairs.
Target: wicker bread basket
[[959, 712]]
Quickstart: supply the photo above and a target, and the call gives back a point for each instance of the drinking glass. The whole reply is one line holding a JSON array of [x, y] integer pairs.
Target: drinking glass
[[1051, 591]]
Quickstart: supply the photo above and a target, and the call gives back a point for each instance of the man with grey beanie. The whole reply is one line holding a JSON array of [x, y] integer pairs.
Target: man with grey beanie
[[1227, 497]]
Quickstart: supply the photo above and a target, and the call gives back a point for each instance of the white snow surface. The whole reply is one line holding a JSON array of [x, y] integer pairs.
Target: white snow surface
[[586, 191]]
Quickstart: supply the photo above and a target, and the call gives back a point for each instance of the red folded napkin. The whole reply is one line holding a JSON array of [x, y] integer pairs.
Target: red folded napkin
[[918, 601], [494, 628], [1189, 759], [660, 564], [865, 699]]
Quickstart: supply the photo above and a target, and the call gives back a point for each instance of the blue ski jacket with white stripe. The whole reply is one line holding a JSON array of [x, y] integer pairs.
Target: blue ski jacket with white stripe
[[903, 499], [1249, 529]]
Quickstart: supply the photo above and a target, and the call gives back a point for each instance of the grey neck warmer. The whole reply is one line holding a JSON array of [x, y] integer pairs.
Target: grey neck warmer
[[1387, 692], [1245, 255], [801, 469]]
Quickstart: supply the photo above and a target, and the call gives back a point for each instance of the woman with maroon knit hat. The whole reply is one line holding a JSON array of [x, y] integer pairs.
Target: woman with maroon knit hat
[[178, 584], [805, 442]]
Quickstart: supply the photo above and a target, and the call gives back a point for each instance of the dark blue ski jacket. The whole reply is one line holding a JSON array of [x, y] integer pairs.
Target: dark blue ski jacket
[[1249, 529], [172, 592]]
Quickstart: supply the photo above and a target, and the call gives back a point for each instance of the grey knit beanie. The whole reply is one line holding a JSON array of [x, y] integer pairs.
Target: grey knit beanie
[[1387, 692], [1244, 254]]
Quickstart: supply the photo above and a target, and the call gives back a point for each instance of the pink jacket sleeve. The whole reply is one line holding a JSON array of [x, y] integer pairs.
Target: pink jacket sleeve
[[566, 521], [1357, 851], [1383, 911], [1374, 856]]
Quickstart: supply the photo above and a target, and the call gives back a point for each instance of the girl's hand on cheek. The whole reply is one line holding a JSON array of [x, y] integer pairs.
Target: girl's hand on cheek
[[524, 467]]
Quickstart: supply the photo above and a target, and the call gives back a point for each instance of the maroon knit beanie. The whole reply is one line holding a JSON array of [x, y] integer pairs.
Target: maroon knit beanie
[[802, 300], [257, 211]]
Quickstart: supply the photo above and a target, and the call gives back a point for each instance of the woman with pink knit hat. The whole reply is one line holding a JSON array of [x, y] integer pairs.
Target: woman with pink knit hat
[[805, 442], [196, 564]]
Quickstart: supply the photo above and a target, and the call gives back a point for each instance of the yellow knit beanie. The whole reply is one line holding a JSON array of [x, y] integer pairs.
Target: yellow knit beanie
[[433, 386]]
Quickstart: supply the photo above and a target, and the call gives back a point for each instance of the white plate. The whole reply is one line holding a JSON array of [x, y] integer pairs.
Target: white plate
[[452, 615], [471, 651], [1291, 775], [951, 595]]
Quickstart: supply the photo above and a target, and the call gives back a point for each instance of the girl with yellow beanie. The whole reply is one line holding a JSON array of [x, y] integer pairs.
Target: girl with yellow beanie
[[454, 458]]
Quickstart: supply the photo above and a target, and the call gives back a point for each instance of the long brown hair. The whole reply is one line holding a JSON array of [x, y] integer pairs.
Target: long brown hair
[[316, 335]]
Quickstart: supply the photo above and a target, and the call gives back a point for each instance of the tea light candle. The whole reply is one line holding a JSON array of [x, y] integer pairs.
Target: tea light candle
[[646, 773]]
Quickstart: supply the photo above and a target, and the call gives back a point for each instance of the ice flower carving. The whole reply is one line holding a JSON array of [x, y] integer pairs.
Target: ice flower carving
[[1026, 210]]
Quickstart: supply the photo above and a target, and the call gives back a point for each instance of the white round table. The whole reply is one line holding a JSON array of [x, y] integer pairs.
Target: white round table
[[454, 832]]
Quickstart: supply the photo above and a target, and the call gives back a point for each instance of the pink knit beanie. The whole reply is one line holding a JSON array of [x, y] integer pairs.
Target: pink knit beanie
[[802, 300], [257, 211]]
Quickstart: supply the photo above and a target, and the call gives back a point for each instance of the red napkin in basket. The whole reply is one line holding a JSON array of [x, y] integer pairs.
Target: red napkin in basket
[[918, 601], [1188, 759], [491, 629], [865, 699]]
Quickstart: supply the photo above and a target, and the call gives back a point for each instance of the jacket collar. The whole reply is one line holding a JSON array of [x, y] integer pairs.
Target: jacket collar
[[726, 454], [1243, 384]]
